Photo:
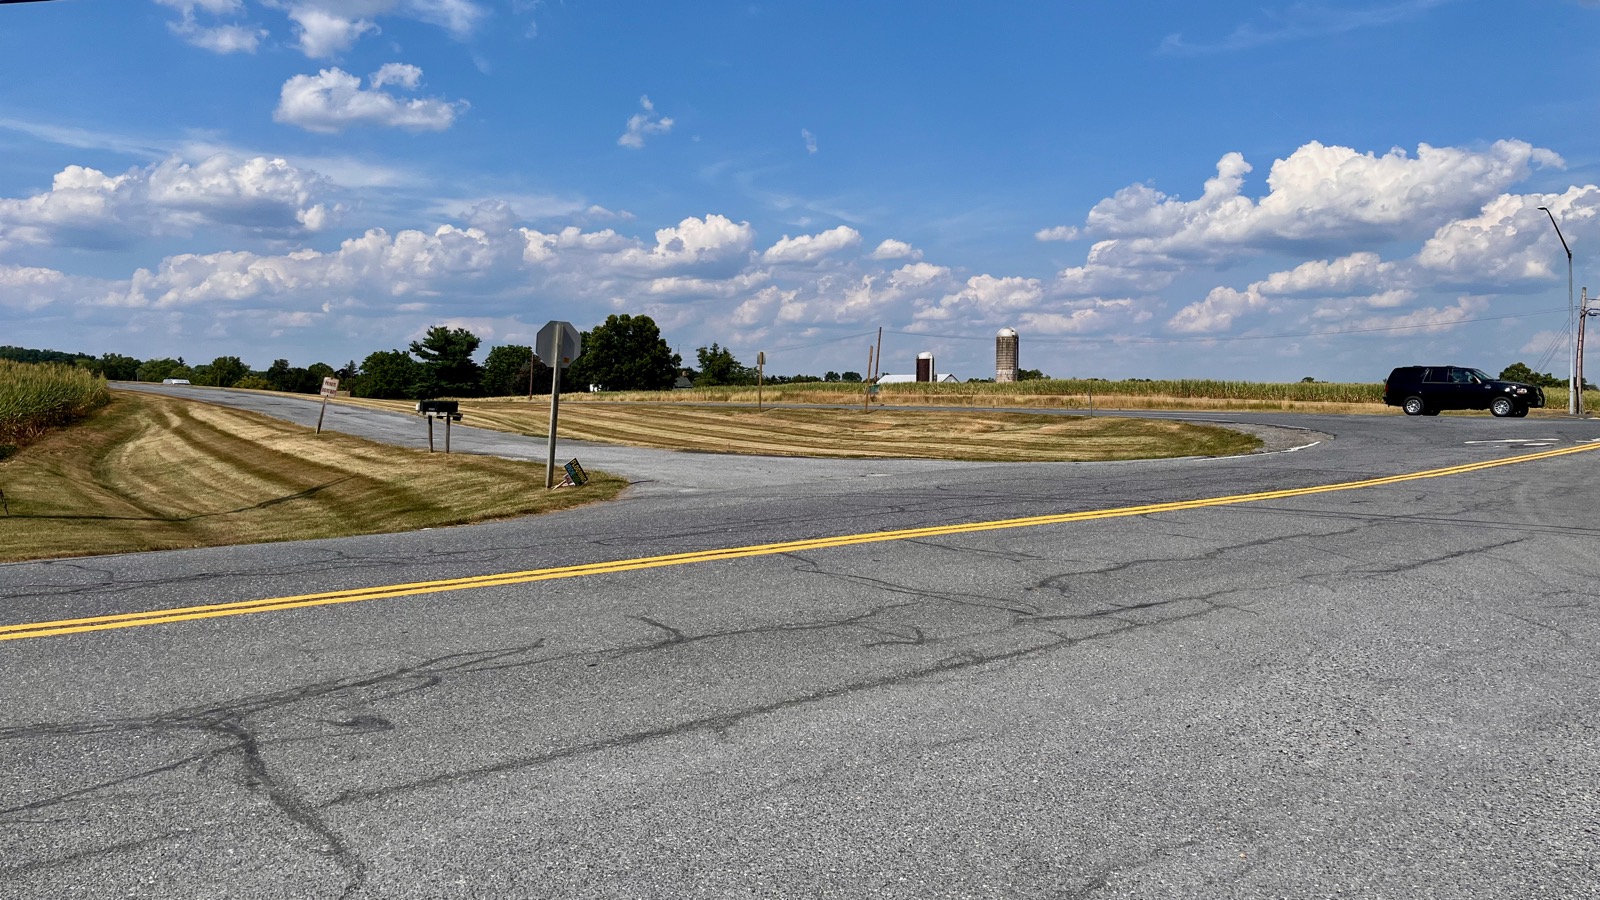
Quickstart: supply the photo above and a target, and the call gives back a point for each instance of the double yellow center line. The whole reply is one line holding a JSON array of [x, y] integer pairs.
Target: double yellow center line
[[384, 592]]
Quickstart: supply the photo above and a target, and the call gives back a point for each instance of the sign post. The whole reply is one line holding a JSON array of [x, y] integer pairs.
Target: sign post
[[330, 386], [558, 345], [761, 369], [866, 389]]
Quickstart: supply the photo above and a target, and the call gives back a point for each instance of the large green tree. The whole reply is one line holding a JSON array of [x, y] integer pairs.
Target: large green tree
[[116, 367], [1520, 372], [505, 370], [314, 375], [281, 375], [387, 375], [626, 353], [718, 367], [227, 370], [447, 366], [159, 369]]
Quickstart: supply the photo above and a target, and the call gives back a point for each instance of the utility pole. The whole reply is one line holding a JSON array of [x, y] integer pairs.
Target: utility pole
[[1584, 312], [866, 383]]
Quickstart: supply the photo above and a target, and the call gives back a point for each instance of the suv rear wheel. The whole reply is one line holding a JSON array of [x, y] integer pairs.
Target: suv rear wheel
[[1502, 407], [1414, 406]]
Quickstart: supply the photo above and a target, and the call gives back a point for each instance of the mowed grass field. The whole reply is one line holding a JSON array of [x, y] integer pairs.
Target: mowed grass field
[[852, 434], [148, 473]]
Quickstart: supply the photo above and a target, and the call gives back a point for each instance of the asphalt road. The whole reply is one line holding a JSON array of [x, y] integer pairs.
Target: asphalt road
[[1384, 691]]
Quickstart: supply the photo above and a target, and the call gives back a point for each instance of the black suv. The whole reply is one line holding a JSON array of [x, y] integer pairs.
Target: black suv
[[1425, 390]]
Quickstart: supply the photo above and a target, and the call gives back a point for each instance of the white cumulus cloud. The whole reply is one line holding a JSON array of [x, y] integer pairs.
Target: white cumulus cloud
[[644, 123], [1319, 194], [89, 208], [323, 35], [692, 242], [326, 28], [333, 100], [808, 248], [226, 37], [1510, 239], [893, 249]]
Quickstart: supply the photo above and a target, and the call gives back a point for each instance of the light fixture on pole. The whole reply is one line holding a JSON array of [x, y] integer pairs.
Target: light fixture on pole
[[1574, 396]]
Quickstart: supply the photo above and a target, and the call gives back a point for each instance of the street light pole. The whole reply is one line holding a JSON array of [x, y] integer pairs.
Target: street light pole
[[1574, 390]]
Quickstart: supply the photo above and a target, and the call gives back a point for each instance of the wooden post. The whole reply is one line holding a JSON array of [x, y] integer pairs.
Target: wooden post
[[531, 357], [878, 364], [866, 386], [447, 418], [761, 372], [322, 412], [430, 434], [1583, 316], [555, 403]]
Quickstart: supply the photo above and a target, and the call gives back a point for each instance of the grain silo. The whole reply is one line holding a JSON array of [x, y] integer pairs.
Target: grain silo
[[925, 369], [1005, 356]]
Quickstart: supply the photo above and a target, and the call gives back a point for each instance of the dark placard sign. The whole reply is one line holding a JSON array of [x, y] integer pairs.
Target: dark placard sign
[[575, 474]]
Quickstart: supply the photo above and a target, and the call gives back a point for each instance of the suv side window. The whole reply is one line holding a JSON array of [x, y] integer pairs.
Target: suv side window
[[1437, 375]]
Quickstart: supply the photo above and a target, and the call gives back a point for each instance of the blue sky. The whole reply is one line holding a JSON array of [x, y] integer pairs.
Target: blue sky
[[1261, 190]]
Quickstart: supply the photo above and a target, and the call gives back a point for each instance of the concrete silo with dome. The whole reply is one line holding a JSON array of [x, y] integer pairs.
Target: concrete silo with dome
[[1005, 356]]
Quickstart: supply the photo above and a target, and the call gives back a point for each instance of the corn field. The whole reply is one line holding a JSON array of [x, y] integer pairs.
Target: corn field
[[37, 397], [1184, 389], [1067, 392]]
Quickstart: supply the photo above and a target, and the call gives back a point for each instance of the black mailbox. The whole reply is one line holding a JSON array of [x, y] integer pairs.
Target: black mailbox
[[439, 408]]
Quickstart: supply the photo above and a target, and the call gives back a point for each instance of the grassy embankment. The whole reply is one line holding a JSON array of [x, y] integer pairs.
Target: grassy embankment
[[149, 473], [37, 398], [1065, 393], [849, 434]]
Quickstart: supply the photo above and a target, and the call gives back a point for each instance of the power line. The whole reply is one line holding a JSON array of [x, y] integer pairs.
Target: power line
[[1557, 343], [848, 337]]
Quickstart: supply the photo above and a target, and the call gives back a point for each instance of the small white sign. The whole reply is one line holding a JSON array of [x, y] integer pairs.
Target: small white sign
[[330, 387]]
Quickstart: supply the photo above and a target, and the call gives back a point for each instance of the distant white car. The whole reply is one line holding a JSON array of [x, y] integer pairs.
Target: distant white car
[[174, 381]]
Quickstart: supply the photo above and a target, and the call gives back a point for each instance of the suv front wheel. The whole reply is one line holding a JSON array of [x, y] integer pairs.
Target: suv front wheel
[[1414, 406], [1502, 407]]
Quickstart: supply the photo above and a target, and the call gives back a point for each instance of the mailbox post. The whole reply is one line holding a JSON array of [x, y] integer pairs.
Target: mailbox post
[[558, 344], [439, 409]]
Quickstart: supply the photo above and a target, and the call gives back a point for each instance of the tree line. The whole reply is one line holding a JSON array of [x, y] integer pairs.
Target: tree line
[[623, 353]]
